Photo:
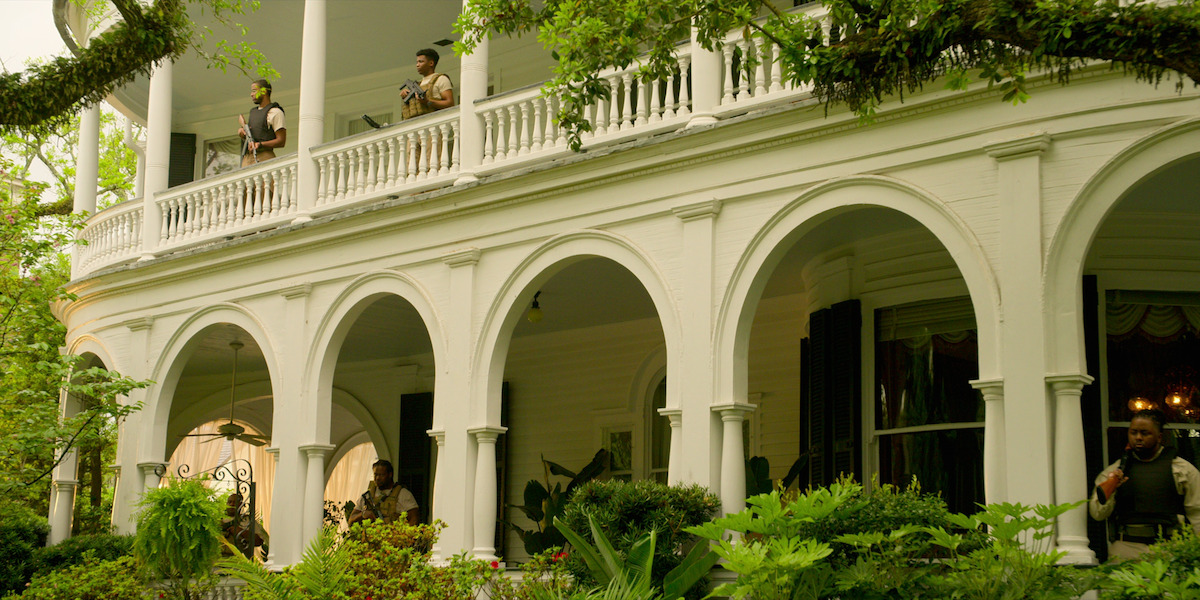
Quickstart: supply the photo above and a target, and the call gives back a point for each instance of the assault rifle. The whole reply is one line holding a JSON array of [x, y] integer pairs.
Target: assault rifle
[[249, 139], [414, 89]]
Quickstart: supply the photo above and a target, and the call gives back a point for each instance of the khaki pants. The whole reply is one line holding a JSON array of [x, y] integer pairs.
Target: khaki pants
[[1120, 551]]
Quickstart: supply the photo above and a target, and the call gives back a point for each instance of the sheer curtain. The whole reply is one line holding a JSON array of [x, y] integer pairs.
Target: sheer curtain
[[351, 474], [202, 454]]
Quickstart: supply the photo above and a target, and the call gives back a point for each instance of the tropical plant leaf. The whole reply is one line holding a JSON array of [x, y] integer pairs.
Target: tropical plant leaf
[[587, 552], [695, 566]]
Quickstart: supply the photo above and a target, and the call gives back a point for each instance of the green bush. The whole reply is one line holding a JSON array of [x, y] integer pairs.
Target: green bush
[[179, 536], [21, 532], [1170, 570], [624, 511], [91, 579], [73, 551]]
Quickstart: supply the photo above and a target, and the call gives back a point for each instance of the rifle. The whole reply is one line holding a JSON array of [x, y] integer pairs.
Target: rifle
[[249, 139], [414, 88]]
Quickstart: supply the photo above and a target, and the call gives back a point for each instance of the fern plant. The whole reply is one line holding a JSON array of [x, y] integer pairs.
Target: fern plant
[[320, 574]]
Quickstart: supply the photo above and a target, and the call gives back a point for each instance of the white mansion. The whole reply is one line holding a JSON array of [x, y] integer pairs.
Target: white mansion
[[964, 291]]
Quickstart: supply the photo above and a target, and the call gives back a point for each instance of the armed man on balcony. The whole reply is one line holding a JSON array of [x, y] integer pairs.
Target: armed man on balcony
[[265, 130], [433, 93]]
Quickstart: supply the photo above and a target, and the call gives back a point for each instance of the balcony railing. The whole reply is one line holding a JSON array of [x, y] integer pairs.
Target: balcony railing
[[423, 154]]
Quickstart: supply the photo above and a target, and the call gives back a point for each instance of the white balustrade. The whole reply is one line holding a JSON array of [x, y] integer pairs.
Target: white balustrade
[[386, 160], [111, 236], [244, 199]]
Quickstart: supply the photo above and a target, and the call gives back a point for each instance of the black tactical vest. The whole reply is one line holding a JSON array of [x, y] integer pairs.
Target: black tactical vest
[[259, 128], [1150, 495]]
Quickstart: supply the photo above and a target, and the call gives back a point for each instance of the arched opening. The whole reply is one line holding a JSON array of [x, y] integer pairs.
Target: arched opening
[[860, 354], [578, 380]]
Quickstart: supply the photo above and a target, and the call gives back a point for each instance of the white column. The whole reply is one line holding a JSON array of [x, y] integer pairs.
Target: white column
[[454, 486], [733, 459], [311, 124], [138, 148], [63, 510], [150, 474], [1027, 406], [158, 154], [474, 76], [87, 165], [439, 436], [706, 83], [314, 491], [485, 491], [693, 376], [675, 416], [292, 425], [1070, 466], [994, 473]]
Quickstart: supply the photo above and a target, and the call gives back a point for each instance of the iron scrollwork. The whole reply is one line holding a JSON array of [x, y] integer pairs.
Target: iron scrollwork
[[239, 525]]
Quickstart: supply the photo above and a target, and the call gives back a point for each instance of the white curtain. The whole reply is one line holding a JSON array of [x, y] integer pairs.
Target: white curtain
[[1153, 320], [351, 474], [202, 454]]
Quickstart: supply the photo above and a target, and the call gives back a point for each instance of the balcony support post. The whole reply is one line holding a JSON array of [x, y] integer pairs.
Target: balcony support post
[[706, 83], [311, 126], [474, 68], [158, 154]]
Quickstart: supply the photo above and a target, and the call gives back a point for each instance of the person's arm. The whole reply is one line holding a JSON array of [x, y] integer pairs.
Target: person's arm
[[1188, 478], [1102, 510], [447, 96]]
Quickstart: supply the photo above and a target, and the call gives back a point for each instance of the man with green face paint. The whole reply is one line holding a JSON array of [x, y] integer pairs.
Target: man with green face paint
[[268, 130], [1147, 492]]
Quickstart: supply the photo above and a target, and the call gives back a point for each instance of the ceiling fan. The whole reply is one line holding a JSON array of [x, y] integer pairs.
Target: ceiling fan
[[232, 431]]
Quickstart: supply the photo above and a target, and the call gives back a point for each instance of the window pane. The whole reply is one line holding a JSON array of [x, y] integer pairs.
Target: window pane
[[660, 434], [1153, 351], [949, 462], [925, 380], [620, 445], [222, 156]]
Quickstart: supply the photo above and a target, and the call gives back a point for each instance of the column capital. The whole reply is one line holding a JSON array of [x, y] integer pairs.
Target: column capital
[[274, 452], [1030, 145], [316, 450], [65, 485], [1069, 382], [152, 467], [733, 411], [992, 389], [437, 434], [486, 433], [706, 209], [461, 258], [296, 291], [139, 324], [674, 414]]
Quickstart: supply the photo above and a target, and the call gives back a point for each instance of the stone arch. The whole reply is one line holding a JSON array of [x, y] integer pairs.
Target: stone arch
[[538, 267], [174, 357], [372, 432], [1083, 218], [335, 324], [89, 344], [771, 243]]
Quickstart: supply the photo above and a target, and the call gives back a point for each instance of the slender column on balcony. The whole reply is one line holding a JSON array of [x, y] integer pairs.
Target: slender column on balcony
[[138, 148], [733, 459], [311, 125], [994, 474], [474, 74], [706, 83], [485, 491], [1070, 466], [439, 466], [674, 461], [158, 154], [87, 166], [314, 491]]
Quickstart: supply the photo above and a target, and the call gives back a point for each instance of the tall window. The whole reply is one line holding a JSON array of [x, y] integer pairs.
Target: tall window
[[660, 434], [1153, 347], [222, 155], [928, 418]]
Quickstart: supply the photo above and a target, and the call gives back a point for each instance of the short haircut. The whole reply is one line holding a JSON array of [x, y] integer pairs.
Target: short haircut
[[387, 464], [429, 53], [1155, 416], [263, 84]]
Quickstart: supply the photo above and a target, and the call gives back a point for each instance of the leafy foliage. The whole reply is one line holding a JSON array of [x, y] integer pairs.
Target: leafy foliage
[[21, 532], [179, 536], [391, 560], [43, 97], [91, 579], [544, 503], [1170, 570], [321, 573], [544, 575], [625, 512], [874, 49], [79, 549]]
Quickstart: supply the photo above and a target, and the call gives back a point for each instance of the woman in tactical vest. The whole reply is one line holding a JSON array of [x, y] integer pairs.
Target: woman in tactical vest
[[1146, 493], [266, 127]]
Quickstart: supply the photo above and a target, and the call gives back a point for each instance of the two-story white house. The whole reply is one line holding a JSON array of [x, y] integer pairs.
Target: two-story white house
[[964, 291]]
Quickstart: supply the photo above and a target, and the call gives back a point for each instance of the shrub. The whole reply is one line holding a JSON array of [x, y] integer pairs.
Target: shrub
[[543, 576], [179, 536], [1170, 570], [624, 511], [91, 579], [391, 560], [73, 551], [21, 532]]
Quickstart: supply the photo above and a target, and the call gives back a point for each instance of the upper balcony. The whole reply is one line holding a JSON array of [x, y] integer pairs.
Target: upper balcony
[[505, 129]]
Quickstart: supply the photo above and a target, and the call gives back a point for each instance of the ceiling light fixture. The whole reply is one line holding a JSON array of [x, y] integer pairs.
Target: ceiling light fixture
[[535, 310]]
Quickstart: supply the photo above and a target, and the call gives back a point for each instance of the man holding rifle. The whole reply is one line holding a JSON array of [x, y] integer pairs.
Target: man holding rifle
[[385, 499], [433, 92], [265, 130]]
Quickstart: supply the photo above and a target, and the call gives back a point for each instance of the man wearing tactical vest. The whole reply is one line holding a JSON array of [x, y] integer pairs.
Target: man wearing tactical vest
[[1156, 489], [439, 93], [267, 128], [385, 499]]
